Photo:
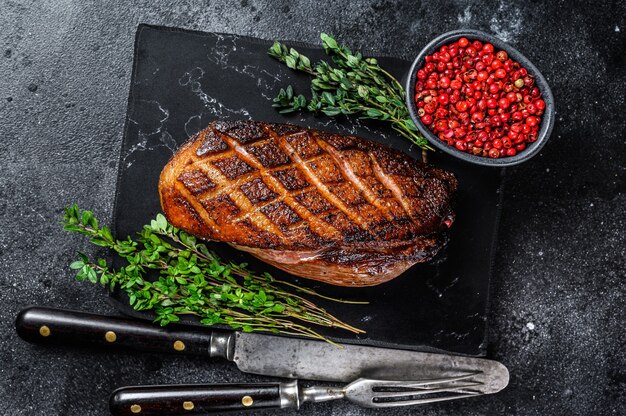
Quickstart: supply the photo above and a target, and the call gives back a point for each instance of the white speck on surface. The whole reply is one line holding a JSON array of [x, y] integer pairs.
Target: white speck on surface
[[506, 24], [616, 28], [591, 205], [541, 253], [530, 326], [466, 17]]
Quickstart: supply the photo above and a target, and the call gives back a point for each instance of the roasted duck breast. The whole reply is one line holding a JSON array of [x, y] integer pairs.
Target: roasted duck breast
[[338, 209]]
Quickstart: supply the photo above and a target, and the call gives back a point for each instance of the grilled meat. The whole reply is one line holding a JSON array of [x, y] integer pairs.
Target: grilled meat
[[334, 208]]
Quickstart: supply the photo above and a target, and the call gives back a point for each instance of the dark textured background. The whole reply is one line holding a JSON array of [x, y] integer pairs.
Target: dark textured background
[[558, 291]]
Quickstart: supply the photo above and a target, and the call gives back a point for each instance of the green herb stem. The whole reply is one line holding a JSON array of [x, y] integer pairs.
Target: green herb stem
[[354, 86], [192, 280], [244, 272]]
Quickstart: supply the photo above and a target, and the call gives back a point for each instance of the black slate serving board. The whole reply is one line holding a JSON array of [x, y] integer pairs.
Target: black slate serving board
[[182, 80]]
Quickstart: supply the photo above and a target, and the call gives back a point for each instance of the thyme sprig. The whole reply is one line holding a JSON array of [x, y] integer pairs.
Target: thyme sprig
[[193, 280], [353, 86]]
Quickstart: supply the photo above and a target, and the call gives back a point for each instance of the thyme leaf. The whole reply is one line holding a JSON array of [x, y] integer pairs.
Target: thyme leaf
[[193, 280], [351, 85]]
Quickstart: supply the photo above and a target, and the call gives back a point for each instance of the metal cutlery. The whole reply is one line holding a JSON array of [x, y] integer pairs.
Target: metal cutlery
[[255, 353], [210, 398]]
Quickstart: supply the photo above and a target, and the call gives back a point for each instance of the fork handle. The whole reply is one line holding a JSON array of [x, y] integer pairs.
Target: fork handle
[[202, 398]]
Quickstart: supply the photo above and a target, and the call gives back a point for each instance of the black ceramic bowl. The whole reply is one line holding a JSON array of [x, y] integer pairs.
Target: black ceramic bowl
[[547, 119]]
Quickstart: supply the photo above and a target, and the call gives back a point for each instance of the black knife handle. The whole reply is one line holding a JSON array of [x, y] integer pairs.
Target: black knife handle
[[199, 399], [52, 326]]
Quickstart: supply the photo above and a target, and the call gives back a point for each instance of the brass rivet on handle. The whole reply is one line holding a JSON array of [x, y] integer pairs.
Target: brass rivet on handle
[[110, 336], [179, 345], [188, 405], [135, 408], [247, 401], [44, 331]]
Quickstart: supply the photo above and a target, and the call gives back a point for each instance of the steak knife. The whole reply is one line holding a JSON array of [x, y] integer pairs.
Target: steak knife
[[253, 352]]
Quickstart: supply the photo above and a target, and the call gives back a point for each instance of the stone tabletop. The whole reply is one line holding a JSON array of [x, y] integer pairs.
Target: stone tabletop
[[557, 295]]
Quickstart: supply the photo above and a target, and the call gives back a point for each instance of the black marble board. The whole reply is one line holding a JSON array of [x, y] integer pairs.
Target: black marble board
[[184, 79]]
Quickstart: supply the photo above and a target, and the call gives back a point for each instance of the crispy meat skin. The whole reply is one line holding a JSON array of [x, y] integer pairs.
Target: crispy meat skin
[[339, 209]]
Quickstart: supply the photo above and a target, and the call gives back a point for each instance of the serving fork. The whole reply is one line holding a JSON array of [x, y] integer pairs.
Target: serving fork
[[370, 393]]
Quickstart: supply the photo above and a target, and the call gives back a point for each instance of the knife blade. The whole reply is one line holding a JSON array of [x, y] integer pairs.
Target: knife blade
[[252, 352]]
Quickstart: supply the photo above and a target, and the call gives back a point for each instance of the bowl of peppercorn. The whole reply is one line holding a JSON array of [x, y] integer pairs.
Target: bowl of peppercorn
[[477, 98]]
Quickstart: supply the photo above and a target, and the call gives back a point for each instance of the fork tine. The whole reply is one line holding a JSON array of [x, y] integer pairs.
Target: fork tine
[[400, 403], [410, 384], [408, 393]]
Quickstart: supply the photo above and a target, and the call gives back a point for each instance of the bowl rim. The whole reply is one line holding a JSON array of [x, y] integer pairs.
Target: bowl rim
[[547, 122]]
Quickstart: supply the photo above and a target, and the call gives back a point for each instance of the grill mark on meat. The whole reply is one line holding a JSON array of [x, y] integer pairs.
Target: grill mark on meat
[[196, 181], [281, 214], [197, 207], [314, 201], [314, 180], [257, 191], [281, 198], [293, 183], [268, 154], [242, 201], [275, 221], [394, 188], [304, 145], [181, 202], [256, 234], [318, 226], [257, 218], [348, 194], [285, 129], [291, 179], [233, 167], [243, 131], [211, 143], [225, 186], [222, 209], [239, 198], [324, 169], [351, 177]]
